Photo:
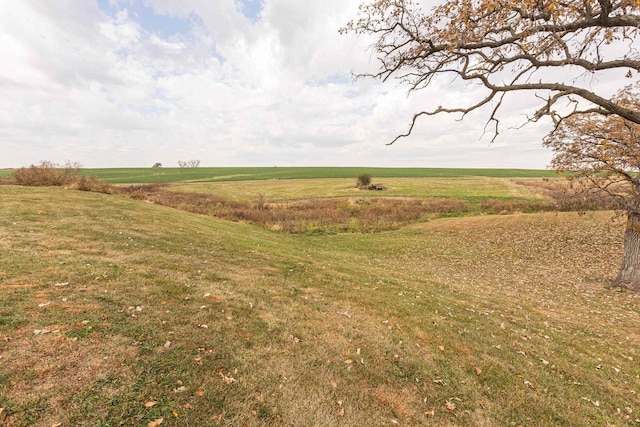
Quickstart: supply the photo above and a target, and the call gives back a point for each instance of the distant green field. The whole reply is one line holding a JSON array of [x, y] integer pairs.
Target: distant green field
[[168, 175]]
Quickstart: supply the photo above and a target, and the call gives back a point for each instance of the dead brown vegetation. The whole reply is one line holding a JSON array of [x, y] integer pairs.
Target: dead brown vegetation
[[318, 215], [366, 214], [49, 174], [570, 195]]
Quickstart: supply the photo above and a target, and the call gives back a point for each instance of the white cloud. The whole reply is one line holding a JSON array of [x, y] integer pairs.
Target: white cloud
[[132, 82]]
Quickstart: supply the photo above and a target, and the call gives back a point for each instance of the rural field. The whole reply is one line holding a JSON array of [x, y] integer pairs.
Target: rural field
[[118, 311]]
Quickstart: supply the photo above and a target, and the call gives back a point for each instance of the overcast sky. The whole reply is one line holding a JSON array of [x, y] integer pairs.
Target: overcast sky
[[124, 83]]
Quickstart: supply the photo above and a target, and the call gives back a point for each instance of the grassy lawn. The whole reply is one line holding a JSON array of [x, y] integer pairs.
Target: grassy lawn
[[121, 312]]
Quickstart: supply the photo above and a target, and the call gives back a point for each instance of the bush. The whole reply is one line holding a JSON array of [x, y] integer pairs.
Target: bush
[[49, 174], [364, 179], [46, 173]]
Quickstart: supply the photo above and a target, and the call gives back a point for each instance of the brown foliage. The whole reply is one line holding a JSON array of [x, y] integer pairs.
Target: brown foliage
[[569, 196], [603, 151], [49, 174]]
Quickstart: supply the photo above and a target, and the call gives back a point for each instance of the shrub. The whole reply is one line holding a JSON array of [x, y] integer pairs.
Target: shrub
[[363, 180], [46, 173], [49, 174]]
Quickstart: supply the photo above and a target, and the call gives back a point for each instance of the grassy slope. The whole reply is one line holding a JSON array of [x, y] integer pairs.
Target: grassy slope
[[484, 321], [150, 175]]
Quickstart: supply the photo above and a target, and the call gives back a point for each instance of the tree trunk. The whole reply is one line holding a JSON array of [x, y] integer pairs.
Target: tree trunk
[[629, 275]]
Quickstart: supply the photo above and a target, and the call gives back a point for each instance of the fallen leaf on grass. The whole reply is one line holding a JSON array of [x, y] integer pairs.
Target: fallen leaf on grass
[[180, 389], [44, 304], [41, 331], [450, 406], [348, 361], [440, 382], [150, 403], [227, 379], [62, 284], [430, 413], [478, 371], [155, 423], [340, 411], [200, 393], [595, 403]]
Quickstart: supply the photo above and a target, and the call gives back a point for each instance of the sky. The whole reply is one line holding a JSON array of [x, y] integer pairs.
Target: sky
[[128, 83]]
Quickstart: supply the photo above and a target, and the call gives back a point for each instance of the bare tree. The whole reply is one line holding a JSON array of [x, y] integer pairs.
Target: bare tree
[[506, 46], [189, 163], [543, 47]]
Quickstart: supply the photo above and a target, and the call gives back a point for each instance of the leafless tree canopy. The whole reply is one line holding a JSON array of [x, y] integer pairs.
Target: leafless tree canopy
[[189, 163], [507, 46]]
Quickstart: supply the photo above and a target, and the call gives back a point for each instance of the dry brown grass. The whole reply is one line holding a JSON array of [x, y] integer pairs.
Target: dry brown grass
[[343, 214], [371, 214]]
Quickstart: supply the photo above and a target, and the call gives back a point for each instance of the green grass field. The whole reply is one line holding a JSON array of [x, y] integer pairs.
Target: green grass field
[[121, 312], [173, 175]]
